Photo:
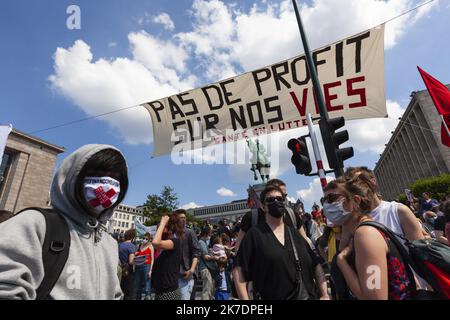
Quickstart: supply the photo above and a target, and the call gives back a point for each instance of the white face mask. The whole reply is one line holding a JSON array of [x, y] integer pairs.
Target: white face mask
[[101, 192], [336, 213]]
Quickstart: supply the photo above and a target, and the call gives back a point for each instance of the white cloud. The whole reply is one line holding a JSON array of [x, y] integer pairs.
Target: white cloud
[[112, 44], [190, 205], [268, 34], [164, 19], [223, 40], [312, 194], [224, 192], [373, 134]]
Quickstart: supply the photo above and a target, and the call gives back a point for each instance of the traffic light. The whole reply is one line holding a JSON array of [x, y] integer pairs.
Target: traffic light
[[332, 140], [300, 156]]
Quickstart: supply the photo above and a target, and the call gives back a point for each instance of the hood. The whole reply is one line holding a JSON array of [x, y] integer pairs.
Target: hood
[[62, 193]]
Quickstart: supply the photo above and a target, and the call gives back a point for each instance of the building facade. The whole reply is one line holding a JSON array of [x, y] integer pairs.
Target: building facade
[[26, 172], [124, 218], [415, 149], [231, 211]]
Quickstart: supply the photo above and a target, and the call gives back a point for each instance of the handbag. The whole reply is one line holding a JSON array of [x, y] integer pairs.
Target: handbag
[[300, 292]]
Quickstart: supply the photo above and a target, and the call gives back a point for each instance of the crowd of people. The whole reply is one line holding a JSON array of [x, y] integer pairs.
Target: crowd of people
[[277, 251]]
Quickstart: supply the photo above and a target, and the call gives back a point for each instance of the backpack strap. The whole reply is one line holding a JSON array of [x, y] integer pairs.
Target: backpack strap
[[55, 250]]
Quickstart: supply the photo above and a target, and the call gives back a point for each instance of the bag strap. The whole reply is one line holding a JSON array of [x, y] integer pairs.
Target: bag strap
[[55, 250], [254, 217], [292, 216], [298, 266]]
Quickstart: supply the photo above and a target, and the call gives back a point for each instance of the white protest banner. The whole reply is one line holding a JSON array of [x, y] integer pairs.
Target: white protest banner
[[141, 230], [409, 195], [4, 133], [275, 98]]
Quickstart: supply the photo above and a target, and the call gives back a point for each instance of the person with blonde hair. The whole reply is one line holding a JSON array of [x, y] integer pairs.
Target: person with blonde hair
[[349, 203]]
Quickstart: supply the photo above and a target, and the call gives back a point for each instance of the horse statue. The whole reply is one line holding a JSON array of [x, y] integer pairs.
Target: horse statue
[[260, 162]]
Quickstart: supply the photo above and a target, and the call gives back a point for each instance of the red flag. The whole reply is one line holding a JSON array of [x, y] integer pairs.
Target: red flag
[[253, 201], [441, 98]]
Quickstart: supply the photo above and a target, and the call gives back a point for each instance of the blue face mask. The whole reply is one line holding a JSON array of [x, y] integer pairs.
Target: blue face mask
[[430, 220], [336, 213]]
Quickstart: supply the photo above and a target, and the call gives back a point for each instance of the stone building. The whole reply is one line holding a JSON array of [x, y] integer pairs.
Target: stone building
[[214, 213], [124, 218], [415, 149], [26, 172]]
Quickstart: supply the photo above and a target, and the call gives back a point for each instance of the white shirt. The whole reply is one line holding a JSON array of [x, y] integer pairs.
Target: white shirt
[[387, 214]]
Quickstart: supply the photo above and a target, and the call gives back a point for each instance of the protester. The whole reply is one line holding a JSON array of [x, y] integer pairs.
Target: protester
[[445, 209], [349, 203], [316, 228], [190, 254], [127, 251], [5, 215], [207, 265], [223, 286], [223, 229], [144, 259], [290, 218], [87, 187], [218, 249], [429, 218], [267, 257], [307, 223], [428, 203], [168, 239], [393, 215]]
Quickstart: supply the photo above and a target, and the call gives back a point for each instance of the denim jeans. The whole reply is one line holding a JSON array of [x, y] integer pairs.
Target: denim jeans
[[186, 288], [142, 281]]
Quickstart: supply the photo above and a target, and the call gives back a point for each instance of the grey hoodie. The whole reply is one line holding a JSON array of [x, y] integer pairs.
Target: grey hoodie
[[91, 268]]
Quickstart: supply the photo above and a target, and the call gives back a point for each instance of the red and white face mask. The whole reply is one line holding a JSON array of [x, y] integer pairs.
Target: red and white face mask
[[101, 192]]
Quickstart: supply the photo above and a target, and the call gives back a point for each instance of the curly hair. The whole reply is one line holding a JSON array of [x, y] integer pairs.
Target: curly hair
[[360, 185], [174, 226]]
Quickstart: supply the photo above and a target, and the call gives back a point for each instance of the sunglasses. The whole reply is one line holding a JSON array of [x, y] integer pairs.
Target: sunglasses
[[333, 197], [273, 199]]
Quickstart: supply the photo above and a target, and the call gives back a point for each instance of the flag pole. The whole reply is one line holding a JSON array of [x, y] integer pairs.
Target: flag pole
[[445, 124], [310, 64]]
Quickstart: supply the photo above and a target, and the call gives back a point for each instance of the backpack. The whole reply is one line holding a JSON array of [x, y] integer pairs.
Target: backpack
[[55, 250], [429, 258]]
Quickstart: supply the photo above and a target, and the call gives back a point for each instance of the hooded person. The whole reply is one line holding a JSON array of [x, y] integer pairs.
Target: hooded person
[[90, 183]]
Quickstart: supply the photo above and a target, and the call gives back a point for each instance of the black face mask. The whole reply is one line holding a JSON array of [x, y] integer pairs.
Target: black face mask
[[276, 209]]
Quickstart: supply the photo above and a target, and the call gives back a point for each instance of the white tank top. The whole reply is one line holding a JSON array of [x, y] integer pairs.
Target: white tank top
[[387, 214]]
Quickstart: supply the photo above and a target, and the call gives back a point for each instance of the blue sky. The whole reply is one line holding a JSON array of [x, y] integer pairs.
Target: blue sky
[[133, 42]]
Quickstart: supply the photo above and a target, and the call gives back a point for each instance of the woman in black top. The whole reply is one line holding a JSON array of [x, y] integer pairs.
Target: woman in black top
[[166, 268], [266, 257]]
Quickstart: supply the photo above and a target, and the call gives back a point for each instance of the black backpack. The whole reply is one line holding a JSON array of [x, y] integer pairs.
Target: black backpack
[[55, 250]]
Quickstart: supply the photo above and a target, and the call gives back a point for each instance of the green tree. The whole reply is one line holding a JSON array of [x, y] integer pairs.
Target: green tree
[[156, 205], [438, 186]]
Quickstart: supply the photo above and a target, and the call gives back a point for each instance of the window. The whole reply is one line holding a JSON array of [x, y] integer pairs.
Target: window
[[4, 168]]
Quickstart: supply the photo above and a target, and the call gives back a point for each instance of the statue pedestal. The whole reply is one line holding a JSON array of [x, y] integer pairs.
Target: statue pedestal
[[259, 187]]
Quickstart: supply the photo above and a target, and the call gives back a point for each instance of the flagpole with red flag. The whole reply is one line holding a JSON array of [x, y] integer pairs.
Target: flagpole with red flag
[[441, 97]]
